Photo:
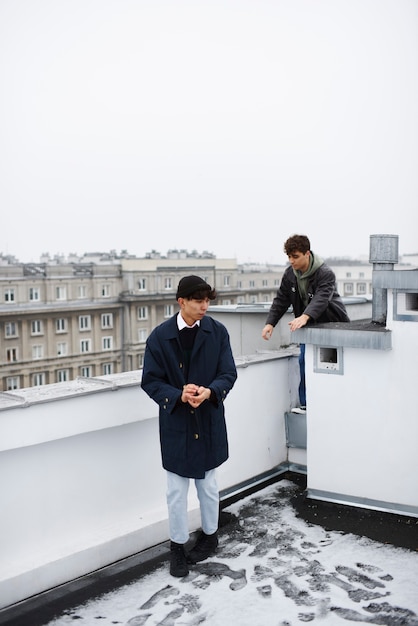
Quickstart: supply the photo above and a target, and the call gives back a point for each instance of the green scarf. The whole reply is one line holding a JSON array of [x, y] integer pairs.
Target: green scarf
[[302, 279]]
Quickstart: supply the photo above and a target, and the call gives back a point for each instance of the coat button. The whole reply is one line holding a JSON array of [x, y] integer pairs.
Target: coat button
[[196, 436]]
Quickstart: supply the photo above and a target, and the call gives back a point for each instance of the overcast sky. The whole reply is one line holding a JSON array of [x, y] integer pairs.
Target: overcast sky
[[219, 125]]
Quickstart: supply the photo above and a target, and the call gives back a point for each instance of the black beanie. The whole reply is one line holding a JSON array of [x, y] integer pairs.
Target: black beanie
[[190, 285]]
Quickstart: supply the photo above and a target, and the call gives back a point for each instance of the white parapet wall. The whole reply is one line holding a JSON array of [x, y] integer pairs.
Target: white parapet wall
[[80, 469], [362, 421]]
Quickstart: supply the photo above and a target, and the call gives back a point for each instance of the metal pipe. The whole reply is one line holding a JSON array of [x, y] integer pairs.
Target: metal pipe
[[383, 255]]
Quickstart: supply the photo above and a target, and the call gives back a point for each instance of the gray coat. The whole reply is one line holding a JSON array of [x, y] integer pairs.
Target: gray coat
[[325, 303]]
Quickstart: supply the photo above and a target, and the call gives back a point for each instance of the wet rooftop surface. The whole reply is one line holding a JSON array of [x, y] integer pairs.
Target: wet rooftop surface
[[283, 560]]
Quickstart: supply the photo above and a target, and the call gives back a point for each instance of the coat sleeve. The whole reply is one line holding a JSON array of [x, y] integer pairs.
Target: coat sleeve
[[226, 374], [155, 375], [281, 302], [324, 292]]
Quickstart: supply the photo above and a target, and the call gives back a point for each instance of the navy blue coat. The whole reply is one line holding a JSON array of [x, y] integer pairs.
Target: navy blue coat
[[193, 441]]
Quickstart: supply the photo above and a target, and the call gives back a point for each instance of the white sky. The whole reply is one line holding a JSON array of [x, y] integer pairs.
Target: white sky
[[220, 125]]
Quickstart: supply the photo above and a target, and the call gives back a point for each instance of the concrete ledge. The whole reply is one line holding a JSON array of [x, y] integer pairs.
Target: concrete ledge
[[136, 536], [365, 503], [395, 279], [364, 335]]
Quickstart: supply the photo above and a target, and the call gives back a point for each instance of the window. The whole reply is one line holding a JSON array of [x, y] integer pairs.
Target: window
[[34, 294], [106, 290], [86, 371], [61, 325], [252, 283], [37, 352], [10, 329], [11, 355], [276, 282], [107, 343], [361, 288], [84, 322], [85, 345], [411, 302], [227, 280], [226, 302], [38, 379], [62, 348], [361, 275], [348, 289], [140, 361], [9, 294], [107, 368], [142, 312], [240, 300], [82, 291], [168, 283], [142, 284], [328, 360], [253, 299], [265, 283], [107, 320], [405, 306], [348, 275], [36, 327], [63, 376], [61, 293], [168, 310], [239, 285], [12, 382], [142, 335]]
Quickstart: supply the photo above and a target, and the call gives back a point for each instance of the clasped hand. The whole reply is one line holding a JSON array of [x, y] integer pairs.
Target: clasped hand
[[195, 395]]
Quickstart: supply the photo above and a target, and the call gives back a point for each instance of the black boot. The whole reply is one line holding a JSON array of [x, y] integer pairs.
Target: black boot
[[178, 562], [205, 546]]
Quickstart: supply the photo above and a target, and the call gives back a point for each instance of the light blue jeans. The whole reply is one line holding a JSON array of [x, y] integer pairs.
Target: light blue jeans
[[208, 494]]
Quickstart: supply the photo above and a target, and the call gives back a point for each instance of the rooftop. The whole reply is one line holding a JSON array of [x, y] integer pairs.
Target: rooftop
[[319, 511], [282, 560]]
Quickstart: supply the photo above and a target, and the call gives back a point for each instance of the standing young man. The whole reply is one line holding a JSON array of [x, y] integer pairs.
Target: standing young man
[[309, 286], [189, 370]]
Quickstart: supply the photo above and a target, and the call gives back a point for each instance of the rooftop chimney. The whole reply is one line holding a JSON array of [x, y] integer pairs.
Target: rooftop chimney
[[383, 255]]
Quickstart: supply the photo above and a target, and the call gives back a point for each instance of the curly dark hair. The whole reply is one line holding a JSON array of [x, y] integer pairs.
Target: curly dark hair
[[297, 243]]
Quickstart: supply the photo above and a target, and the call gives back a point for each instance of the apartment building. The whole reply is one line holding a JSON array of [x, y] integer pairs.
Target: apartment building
[[150, 285], [58, 321], [82, 317], [353, 278]]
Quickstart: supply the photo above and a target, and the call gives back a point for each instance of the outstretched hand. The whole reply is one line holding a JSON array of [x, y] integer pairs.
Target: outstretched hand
[[298, 322], [267, 332]]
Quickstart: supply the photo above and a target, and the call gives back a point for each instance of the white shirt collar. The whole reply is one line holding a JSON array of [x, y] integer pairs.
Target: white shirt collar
[[182, 324]]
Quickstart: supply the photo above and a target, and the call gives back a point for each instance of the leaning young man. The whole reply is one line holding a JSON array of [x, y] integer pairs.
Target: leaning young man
[[189, 370], [309, 286]]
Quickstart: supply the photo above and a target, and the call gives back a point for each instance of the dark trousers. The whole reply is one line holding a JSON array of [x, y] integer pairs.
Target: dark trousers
[[302, 385]]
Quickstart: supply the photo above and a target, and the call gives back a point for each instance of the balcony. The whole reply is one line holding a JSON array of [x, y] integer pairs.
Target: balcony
[[82, 483]]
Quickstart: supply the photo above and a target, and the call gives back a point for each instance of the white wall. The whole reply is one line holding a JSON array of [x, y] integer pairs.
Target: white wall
[[80, 470], [245, 323], [362, 427]]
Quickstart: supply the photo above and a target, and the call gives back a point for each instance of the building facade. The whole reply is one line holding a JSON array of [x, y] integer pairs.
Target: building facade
[[82, 317], [62, 319]]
